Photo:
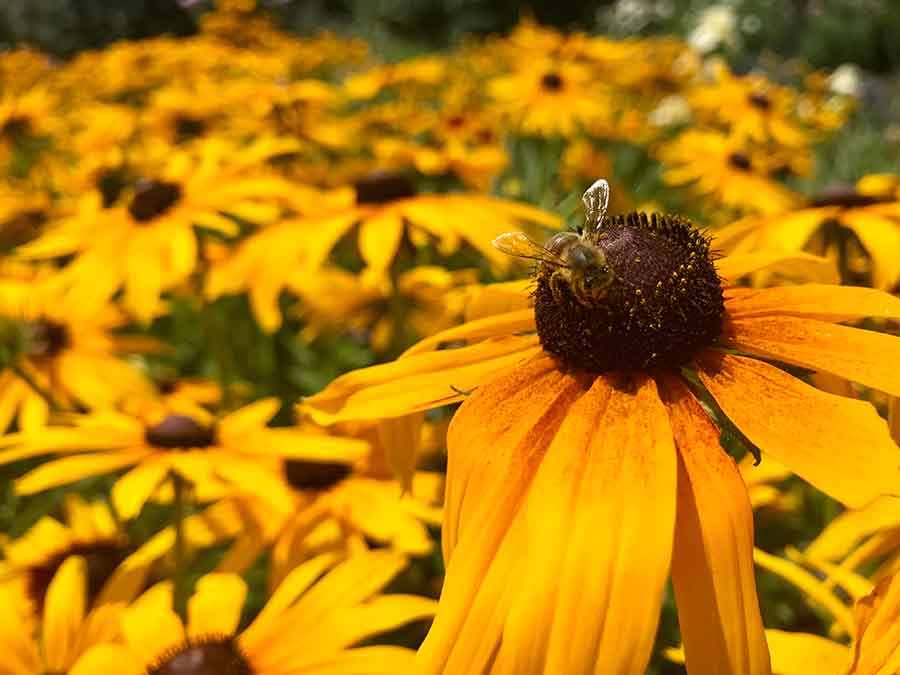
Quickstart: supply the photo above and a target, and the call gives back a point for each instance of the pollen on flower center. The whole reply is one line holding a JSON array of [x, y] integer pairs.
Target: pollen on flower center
[[305, 475], [152, 198], [45, 339], [180, 431], [102, 557], [214, 655], [552, 82], [663, 303], [381, 187]]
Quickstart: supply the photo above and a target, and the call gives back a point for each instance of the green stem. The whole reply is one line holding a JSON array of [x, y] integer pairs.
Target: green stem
[[179, 508], [216, 321]]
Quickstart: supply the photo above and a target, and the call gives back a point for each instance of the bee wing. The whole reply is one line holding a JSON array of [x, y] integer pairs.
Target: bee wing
[[596, 201], [521, 245]]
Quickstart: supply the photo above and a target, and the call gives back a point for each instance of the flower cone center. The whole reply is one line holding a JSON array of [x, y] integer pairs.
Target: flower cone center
[[552, 82], [45, 339], [305, 475], [16, 128], [180, 431], [102, 557], [759, 100], [661, 305], [381, 187], [152, 198], [740, 161], [211, 656]]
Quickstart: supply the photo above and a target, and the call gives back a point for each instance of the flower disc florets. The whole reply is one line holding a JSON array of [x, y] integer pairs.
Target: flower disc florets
[[102, 557], [180, 431], [205, 656], [663, 304], [308, 475]]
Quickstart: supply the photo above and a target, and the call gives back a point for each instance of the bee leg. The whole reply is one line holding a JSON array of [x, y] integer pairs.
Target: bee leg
[[555, 279]]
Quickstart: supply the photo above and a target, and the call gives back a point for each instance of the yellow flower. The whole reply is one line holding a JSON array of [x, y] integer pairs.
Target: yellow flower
[[751, 107], [148, 244], [388, 213], [68, 355], [26, 116], [726, 170], [113, 572], [57, 641], [310, 624], [550, 526], [870, 213], [237, 450], [551, 97]]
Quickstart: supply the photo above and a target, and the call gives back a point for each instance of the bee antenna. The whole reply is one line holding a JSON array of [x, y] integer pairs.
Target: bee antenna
[[596, 201]]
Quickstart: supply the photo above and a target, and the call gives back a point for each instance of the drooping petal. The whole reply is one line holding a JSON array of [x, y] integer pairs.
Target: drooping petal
[[880, 236], [500, 298], [876, 649], [131, 491], [150, 626], [804, 654], [812, 301], [379, 239], [418, 382], [70, 469], [510, 323], [556, 592], [401, 436], [215, 608], [865, 356], [845, 531], [64, 613], [839, 445], [712, 562], [249, 418], [802, 266], [107, 659]]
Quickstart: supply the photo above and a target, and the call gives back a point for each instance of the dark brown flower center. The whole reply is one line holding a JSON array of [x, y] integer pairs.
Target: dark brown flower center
[[180, 431], [739, 160], [760, 100], [552, 82], [187, 127], [45, 339], [102, 558], [152, 198], [649, 299], [305, 475], [16, 128], [214, 655], [381, 187]]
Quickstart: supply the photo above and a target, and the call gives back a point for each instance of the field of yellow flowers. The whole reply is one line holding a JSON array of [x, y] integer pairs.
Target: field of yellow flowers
[[546, 354]]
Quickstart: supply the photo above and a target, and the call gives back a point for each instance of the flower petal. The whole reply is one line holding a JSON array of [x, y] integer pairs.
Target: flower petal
[[216, 606], [107, 659], [795, 264], [813, 301], [70, 469], [863, 356], [876, 649], [880, 236], [150, 626], [712, 562], [402, 436], [845, 531], [131, 491], [839, 445], [379, 240], [416, 383], [500, 298], [520, 321], [802, 654], [249, 418], [64, 613]]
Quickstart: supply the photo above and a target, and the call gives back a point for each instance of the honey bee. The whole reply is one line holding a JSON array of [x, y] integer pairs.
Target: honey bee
[[572, 259]]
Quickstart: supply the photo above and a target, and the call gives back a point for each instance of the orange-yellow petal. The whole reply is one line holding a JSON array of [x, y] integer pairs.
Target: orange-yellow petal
[[812, 301], [215, 608], [796, 264], [805, 654], [712, 562], [863, 356], [510, 323], [64, 613], [418, 382], [876, 649], [70, 469], [839, 445]]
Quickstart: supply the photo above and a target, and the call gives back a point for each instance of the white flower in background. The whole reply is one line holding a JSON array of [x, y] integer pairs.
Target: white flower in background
[[846, 80], [672, 110], [717, 26]]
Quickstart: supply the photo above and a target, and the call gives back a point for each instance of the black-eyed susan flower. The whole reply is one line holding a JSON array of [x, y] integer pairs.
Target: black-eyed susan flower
[[582, 465], [236, 450], [388, 214], [551, 97], [145, 242], [843, 219], [59, 355], [311, 624], [56, 640], [112, 571], [726, 170]]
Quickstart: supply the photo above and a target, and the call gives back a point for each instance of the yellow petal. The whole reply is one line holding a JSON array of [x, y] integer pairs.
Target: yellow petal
[[863, 356], [150, 626], [376, 660], [500, 298], [802, 266], [804, 654], [881, 238], [839, 445], [876, 649], [401, 437], [712, 563], [379, 239], [813, 301], [216, 606], [131, 491], [845, 531], [107, 659], [64, 613], [416, 383], [249, 418], [70, 469], [520, 321]]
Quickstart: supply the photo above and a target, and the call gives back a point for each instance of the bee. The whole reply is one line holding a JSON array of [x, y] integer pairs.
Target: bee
[[572, 260]]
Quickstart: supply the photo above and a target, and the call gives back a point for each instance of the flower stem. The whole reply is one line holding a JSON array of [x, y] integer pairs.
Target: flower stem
[[179, 508]]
